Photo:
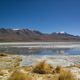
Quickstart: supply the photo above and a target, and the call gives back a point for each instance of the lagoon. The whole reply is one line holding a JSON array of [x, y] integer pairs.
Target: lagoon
[[56, 53]]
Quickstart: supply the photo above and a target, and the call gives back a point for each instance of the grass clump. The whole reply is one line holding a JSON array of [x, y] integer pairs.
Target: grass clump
[[58, 69], [3, 54], [18, 75], [43, 68], [66, 75]]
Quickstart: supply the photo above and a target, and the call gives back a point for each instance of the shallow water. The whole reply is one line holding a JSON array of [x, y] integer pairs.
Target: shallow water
[[41, 51], [58, 56]]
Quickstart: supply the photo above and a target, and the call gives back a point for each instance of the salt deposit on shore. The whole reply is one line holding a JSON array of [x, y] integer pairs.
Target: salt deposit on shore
[[56, 60], [41, 44]]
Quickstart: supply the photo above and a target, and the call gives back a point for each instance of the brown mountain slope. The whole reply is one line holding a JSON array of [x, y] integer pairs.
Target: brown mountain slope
[[28, 35]]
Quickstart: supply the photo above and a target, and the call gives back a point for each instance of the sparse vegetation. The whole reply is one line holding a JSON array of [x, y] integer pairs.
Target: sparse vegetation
[[43, 68], [9, 61], [3, 54], [18, 75], [58, 69], [40, 71], [66, 75]]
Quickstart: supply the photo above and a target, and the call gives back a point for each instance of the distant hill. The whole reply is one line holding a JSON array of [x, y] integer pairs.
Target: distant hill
[[21, 35]]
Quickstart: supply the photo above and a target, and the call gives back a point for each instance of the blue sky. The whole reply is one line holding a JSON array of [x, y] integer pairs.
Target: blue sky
[[43, 15]]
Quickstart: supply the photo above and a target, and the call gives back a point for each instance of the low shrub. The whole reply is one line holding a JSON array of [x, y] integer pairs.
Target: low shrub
[[58, 69], [3, 54], [17, 75], [43, 68], [66, 75]]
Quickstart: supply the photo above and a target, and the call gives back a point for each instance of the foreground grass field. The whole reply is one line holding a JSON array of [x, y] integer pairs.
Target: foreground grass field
[[40, 71]]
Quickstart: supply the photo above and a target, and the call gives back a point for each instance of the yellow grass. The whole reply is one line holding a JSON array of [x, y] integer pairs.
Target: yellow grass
[[3, 54], [58, 69], [66, 75], [17, 75], [43, 68]]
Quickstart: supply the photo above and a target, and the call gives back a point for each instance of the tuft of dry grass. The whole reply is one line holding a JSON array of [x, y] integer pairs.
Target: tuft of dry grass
[[18, 75], [43, 68], [66, 75], [58, 69], [3, 54]]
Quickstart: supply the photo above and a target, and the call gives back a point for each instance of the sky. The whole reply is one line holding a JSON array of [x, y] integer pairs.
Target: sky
[[44, 15]]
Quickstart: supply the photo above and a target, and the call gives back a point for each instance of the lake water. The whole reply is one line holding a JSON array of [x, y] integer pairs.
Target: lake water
[[56, 53], [40, 51], [58, 56]]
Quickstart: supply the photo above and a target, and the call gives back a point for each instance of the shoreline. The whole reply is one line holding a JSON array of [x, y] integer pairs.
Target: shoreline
[[41, 44], [55, 60]]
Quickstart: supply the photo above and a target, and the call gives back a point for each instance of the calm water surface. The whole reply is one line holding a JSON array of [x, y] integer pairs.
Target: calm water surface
[[34, 51], [31, 56]]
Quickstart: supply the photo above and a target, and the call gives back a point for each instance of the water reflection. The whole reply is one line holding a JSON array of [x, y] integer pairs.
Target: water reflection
[[57, 56], [34, 51]]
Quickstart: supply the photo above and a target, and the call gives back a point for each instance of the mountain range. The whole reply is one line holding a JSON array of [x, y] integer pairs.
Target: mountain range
[[26, 35]]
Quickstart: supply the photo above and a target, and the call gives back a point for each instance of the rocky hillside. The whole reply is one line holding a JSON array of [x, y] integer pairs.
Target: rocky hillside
[[15, 35]]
